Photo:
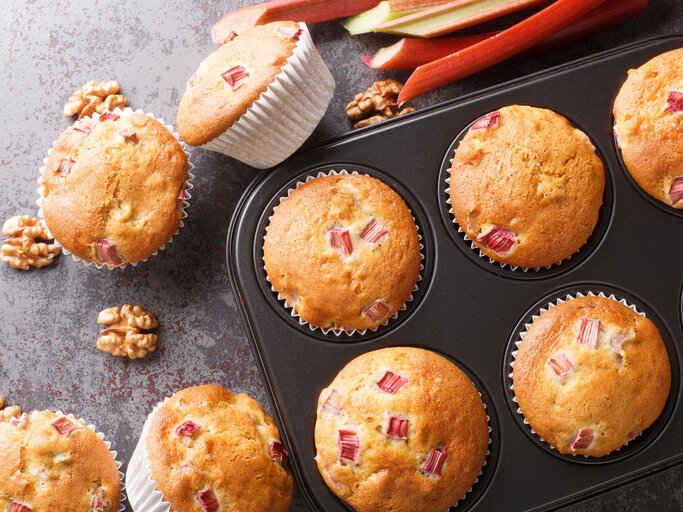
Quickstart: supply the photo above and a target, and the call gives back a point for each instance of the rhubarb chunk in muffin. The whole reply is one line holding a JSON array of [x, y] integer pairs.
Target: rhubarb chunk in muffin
[[400, 429], [590, 375]]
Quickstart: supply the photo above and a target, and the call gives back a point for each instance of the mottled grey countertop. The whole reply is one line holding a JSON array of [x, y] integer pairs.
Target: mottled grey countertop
[[48, 325]]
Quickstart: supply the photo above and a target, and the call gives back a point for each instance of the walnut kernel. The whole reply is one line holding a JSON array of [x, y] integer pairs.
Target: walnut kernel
[[94, 97], [377, 103], [123, 337], [10, 412], [22, 251]]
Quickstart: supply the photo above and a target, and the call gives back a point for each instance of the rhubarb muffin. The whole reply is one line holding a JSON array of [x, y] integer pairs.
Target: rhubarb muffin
[[648, 122], [52, 462], [343, 251], [257, 97], [205, 445], [113, 188], [401, 429], [526, 186], [590, 375]]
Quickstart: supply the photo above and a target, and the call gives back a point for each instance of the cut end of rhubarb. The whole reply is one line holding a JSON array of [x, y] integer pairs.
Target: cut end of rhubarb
[[349, 446], [433, 466], [84, 125], [187, 428], [676, 190], [340, 239], [235, 77], [15, 506], [398, 428], [617, 342], [560, 365], [65, 165], [631, 436], [98, 504], [208, 501], [373, 231], [391, 382], [277, 452], [231, 35], [129, 135], [674, 102], [378, 311], [583, 439], [105, 250], [65, 426], [499, 240], [588, 333], [487, 121], [109, 116], [331, 404]]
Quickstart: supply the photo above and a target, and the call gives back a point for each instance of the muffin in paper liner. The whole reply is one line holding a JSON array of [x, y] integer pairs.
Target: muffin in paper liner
[[327, 330], [143, 494], [521, 335], [283, 116], [186, 201]]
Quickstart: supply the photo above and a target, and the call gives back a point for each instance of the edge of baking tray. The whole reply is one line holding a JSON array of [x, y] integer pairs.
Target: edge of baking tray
[[640, 474]]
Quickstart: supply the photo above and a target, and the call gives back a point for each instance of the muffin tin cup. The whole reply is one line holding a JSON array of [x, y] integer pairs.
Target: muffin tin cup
[[519, 336], [329, 330], [520, 271], [143, 494], [285, 115], [186, 202]]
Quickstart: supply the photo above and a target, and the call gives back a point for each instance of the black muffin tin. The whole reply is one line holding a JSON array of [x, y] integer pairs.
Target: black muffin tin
[[467, 308]]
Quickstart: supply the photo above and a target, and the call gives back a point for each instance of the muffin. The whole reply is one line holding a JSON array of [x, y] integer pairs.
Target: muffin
[[257, 97], [205, 446], [648, 121], [53, 462], [401, 429], [343, 251], [590, 375], [526, 186], [113, 188]]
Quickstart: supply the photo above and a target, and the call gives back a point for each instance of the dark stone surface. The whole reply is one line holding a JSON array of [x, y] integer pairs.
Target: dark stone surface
[[48, 317]]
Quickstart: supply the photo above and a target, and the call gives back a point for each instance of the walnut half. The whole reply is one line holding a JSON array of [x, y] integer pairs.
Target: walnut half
[[22, 251], [123, 336], [95, 97], [376, 104]]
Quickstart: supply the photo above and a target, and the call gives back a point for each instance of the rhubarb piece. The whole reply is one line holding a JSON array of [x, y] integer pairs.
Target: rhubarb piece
[[65, 165], [374, 231], [497, 48], [180, 200], [451, 16], [208, 500], [129, 135], [366, 21], [349, 446], [340, 239], [674, 102], [98, 503], [308, 11], [561, 365], [631, 436], [588, 333], [377, 311], [230, 37], [398, 428], [65, 426], [19, 422], [411, 5], [291, 32], [391, 382], [617, 342], [192, 80], [277, 452], [331, 404], [105, 250], [84, 125], [433, 466], [15, 506], [499, 240], [187, 428], [676, 190], [109, 116], [235, 77], [583, 439], [488, 121]]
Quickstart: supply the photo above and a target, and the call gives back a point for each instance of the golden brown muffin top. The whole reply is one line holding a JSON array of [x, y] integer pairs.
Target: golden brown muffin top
[[590, 375], [648, 115], [210, 450], [51, 462], [344, 251], [229, 80], [526, 186], [111, 187], [401, 429]]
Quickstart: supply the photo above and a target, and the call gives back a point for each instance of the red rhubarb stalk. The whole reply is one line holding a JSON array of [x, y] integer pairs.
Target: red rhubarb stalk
[[497, 48], [308, 11], [451, 16], [407, 5]]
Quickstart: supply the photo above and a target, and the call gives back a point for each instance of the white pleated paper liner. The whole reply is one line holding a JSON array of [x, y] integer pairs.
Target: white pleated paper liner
[[285, 115], [143, 494], [331, 330], [518, 342], [186, 201]]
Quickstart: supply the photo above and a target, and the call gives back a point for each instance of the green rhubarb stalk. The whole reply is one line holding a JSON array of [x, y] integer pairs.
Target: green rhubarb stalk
[[365, 22]]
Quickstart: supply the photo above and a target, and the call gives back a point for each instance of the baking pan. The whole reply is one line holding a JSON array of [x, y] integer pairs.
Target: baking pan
[[467, 308]]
